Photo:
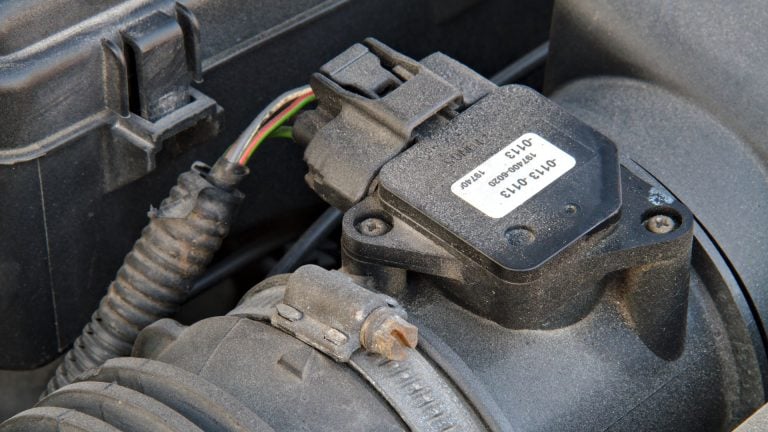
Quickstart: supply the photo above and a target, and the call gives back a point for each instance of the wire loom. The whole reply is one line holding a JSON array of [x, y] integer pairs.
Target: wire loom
[[156, 276], [174, 249]]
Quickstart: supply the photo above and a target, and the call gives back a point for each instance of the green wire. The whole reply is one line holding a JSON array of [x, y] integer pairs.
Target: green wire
[[282, 132], [309, 99]]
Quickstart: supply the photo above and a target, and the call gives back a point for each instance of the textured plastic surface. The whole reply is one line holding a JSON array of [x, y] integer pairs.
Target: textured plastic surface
[[419, 182], [356, 87], [596, 375], [692, 114]]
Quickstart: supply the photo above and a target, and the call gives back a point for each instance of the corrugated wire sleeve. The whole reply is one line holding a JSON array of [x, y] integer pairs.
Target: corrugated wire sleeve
[[156, 276]]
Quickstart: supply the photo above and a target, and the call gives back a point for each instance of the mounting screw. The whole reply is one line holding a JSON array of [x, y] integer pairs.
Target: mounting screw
[[387, 333], [373, 227], [660, 224]]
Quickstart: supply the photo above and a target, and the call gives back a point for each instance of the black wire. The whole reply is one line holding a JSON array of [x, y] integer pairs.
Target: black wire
[[234, 263], [523, 66], [308, 241], [247, 255]]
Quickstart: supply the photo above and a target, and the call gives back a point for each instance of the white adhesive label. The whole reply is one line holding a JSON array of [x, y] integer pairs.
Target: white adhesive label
[[513, 175]]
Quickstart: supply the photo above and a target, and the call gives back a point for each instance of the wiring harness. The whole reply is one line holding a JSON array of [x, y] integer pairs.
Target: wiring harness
[[269, 124], [158, 275]]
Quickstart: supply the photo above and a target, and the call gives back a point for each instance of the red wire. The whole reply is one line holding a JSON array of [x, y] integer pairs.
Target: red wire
[[263, 130]]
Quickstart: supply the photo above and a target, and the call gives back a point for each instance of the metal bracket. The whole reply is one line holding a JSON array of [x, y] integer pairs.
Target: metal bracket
[[329, 311], [321, 308]]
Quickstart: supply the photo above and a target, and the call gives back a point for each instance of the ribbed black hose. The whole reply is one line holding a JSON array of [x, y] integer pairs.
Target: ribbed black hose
[[156, 276]]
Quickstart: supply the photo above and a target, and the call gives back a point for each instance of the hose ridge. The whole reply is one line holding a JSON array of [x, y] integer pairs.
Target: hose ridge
[[156, 276]]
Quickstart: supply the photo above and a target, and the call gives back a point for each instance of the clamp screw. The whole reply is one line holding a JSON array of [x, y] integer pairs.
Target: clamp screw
[[389, 334]]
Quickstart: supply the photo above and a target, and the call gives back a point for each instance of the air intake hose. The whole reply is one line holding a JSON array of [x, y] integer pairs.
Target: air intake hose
[[156, 276]]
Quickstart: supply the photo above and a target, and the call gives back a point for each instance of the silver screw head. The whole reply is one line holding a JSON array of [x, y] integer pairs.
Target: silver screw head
[[373, 227], [660, 224]]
